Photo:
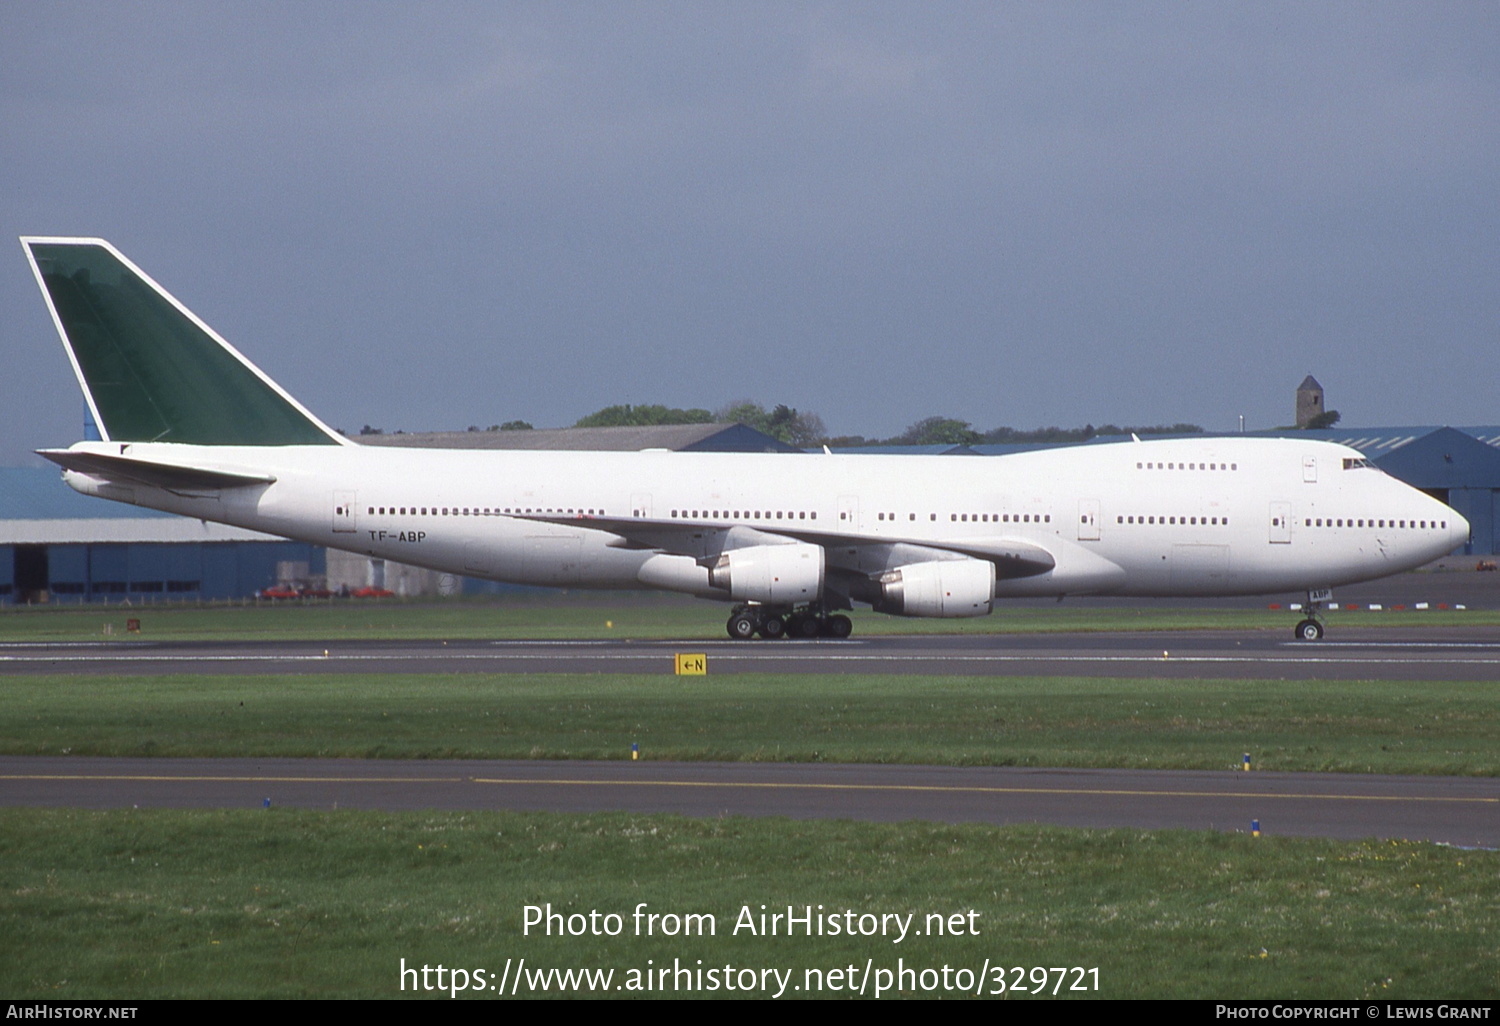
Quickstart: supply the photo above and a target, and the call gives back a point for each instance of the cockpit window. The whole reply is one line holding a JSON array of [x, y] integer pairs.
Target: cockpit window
[[1356, 463]]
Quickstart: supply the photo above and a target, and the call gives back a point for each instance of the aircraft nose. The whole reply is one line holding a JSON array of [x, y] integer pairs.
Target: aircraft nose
[[1458, 531]]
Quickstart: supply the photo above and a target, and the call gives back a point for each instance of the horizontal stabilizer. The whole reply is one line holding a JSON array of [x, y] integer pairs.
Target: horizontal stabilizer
[[169, 476]]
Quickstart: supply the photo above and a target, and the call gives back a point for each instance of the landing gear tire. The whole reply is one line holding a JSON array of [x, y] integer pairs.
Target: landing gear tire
[[1308, 630], [772, 627], [838, 626], [803, 627], [741, 627]]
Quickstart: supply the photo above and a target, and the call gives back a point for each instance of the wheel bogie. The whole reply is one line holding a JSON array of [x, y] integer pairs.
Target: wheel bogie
[[803, 626], [742, 626], [754, 620]]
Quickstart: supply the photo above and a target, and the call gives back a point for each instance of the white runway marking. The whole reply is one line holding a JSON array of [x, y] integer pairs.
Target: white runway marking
[[793, 654], [1400, 644]]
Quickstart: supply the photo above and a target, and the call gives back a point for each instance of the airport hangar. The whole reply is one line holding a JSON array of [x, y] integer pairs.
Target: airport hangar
[[58, 546]]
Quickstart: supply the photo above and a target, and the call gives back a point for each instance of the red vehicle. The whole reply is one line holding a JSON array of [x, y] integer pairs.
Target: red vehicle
[[370, 591], [278, 591]]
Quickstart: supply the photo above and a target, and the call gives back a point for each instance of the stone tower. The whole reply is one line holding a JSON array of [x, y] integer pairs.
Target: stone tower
[[1309, 400]]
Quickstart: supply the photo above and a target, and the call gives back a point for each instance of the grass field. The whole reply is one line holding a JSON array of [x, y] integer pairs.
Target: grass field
[[1354, 726], [147, 904], [594, 617], [289, 903]]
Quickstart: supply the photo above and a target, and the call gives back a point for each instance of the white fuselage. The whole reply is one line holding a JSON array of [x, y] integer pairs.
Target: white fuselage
[[1209, 516]]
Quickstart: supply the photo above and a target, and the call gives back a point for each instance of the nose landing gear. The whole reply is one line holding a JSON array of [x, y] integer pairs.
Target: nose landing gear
[[1311, 627]]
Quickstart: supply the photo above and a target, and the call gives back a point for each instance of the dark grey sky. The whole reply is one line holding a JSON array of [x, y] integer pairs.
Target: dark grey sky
[[430, 216]]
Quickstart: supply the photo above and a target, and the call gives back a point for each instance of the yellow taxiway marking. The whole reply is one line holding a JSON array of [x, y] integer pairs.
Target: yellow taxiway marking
[[976, 789], [233, 780]]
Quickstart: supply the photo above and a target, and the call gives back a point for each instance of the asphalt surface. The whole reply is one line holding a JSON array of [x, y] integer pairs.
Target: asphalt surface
[[1347, 653], [1458, 811]]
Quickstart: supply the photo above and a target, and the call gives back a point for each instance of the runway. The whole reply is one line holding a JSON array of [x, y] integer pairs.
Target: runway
[[1458, 811], [1348, 653]]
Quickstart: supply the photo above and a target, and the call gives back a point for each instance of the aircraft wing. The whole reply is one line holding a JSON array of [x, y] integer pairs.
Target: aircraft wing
[[706, 539], [171, 477]]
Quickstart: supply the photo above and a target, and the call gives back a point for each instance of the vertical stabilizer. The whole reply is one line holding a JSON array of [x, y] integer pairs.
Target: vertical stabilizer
[[151, 371]]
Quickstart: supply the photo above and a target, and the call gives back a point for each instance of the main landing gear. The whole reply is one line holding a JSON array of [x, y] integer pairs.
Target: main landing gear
[[1311, 628], [771, 622]]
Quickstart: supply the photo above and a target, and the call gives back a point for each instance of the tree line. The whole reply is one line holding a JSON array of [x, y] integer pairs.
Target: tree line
[[801, 428], [805, 429]]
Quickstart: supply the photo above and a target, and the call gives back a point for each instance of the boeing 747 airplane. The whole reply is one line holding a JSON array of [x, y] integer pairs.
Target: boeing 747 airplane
[[189, 426]]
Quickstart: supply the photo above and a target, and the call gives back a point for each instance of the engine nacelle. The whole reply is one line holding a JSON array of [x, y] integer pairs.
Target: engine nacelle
[[776, 574], [947, 587]]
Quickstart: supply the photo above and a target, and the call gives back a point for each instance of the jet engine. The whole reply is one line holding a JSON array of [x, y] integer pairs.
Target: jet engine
[[777, 574], [947, 587]]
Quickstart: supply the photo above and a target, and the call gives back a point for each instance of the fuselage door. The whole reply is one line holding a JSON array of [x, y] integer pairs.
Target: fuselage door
[[848, 513], [1310, 469], [640, 505], [345, 506], [1088, 519], [1281, 523]]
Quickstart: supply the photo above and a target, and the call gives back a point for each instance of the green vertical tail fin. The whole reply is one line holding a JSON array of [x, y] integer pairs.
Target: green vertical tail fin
[[151, 371]]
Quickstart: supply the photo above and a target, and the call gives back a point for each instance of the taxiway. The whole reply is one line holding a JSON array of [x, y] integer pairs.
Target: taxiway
[[1451, 810]]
